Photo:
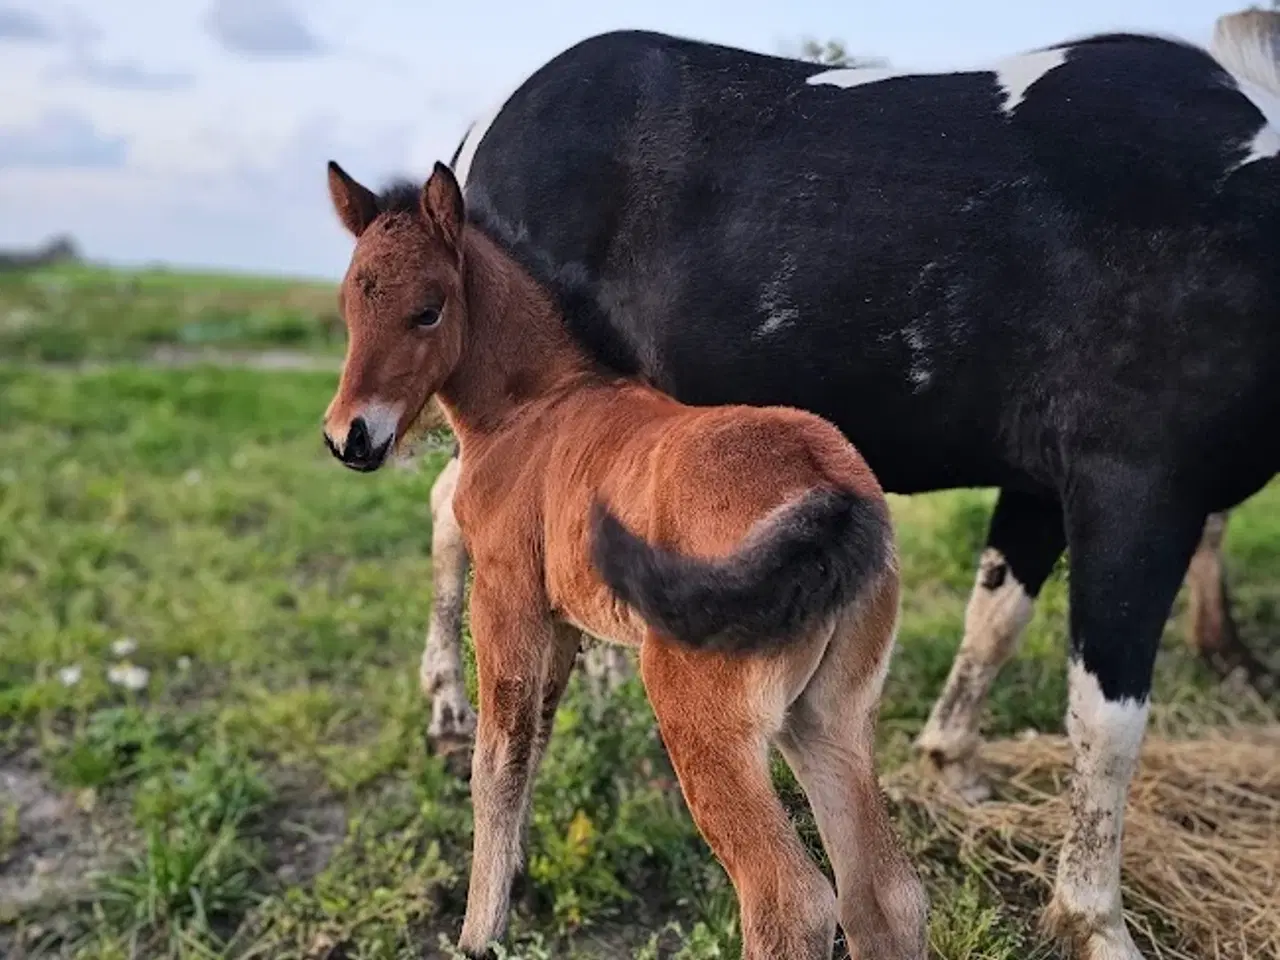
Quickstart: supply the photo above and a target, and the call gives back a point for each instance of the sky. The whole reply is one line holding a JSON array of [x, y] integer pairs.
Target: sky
[[195, 132]]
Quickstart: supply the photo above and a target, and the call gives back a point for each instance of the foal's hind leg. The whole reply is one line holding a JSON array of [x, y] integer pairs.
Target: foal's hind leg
[[1025, 540], [829, 742], [453, 721], [717, 715], [1213, 630]]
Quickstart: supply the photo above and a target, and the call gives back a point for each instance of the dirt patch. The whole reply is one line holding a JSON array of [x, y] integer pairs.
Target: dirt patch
[[304, 827], [51, 849]]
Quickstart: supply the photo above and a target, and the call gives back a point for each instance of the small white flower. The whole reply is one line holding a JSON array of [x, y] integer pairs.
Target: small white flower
[[70, 676], [184, 664], [124, 646], [128, 676], [191, 477]]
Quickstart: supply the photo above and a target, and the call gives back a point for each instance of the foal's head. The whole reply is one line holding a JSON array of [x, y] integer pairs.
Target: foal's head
[[402, 300]]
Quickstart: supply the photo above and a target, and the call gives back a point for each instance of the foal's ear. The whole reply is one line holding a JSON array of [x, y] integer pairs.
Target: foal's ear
[[442, 204], [357, 205]]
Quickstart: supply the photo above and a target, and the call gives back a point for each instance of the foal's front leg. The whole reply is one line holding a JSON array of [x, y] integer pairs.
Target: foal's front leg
[[523, 663]]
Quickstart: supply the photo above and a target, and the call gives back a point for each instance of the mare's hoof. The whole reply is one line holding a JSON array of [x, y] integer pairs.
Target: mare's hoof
[[962, 779], [1086, 939]]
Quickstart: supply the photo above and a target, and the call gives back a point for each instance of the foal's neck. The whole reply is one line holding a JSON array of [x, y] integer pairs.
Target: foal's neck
[[516, 346]]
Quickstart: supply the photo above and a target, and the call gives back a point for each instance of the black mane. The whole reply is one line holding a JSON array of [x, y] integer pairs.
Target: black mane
[[401, 195]]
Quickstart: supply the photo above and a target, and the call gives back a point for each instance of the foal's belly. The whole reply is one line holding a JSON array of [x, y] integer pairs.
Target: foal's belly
[[607, 620]]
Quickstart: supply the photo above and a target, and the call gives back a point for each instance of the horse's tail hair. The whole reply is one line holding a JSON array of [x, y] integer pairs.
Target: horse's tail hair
[[800, 564], [1247, 44]]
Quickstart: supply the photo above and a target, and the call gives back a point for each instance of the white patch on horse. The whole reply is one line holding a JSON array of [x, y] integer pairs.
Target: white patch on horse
[[381, 420], [920, 373], [1265, 144], [775, 302], [1016, 75], [1106, 736], [857, 76]]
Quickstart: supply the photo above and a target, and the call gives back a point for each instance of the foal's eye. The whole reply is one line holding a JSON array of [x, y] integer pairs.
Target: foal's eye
[[427, 319]]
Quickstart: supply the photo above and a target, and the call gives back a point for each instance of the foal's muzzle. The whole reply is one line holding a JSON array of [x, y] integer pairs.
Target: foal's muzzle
[[358, 452]]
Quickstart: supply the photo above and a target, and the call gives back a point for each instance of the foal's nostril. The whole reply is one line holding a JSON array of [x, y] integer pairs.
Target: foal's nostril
[[358, 447]]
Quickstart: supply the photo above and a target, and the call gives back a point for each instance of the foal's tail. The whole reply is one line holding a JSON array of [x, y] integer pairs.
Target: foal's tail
[[802, 563]]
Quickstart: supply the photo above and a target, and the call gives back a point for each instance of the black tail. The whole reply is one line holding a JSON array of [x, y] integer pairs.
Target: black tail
[[804, 563]]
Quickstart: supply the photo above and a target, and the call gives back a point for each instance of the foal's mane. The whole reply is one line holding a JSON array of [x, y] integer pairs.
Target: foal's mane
[[570, 287], [401, 195]]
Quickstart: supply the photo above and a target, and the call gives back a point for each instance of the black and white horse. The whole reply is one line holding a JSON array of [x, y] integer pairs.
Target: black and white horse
[[1058, 275]]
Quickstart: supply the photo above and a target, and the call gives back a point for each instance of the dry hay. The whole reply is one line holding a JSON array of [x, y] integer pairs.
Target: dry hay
[[1202, 834]]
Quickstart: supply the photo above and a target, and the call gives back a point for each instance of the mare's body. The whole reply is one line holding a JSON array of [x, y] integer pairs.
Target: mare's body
[[1059, 276]]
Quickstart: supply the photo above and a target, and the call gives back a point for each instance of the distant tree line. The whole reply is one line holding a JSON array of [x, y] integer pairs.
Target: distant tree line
[[60, 249]]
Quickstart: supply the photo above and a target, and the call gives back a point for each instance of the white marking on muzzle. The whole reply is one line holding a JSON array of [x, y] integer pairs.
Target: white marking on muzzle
[[381, 420]]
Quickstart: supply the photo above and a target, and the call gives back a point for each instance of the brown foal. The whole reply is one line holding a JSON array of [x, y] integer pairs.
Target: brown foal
[[747, 552]]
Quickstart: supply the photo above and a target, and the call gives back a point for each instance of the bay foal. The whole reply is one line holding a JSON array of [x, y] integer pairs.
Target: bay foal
[[747, 552]]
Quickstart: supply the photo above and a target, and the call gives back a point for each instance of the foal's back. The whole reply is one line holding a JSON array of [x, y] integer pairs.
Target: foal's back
[[696, 481]]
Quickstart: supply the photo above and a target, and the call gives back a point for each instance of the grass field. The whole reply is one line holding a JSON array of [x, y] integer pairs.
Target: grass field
[[265, 790]]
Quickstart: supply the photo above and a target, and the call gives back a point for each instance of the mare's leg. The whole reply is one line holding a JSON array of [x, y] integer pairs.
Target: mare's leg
[[453, 722], [717, 716], [1130, 538], [523, 662], [1213, 630], [829, 742], [1024, 541]]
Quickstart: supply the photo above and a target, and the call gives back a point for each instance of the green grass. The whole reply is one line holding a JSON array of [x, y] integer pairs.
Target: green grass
[[64, 314], [268, 793]]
